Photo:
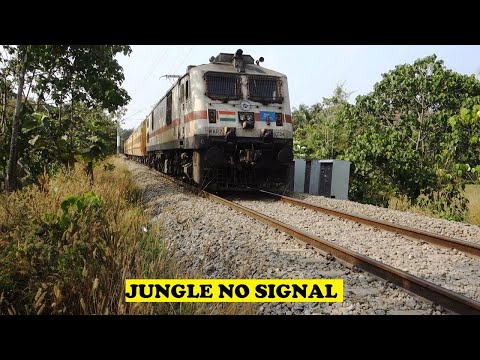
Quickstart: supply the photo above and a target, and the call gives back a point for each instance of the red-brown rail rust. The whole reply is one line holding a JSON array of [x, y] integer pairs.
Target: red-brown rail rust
[[436, 239], [437, 294]]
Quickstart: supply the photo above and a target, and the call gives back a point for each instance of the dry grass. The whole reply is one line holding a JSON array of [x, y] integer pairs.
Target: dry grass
[[438, 206], [66, 247], [472, 192], [403, 204]]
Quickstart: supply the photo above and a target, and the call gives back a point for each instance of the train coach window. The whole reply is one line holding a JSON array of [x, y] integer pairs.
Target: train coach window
[[223, 86], [169, 108]]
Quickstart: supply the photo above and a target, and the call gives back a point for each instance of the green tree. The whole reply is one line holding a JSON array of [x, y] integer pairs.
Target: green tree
[[59, 73], [319, 130], [95, 139], [400, 130], [462, 145], [48, 142], [125, 133]]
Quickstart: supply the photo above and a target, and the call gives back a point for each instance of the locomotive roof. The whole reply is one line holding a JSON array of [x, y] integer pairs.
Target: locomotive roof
[[226, 67], [250, 69]]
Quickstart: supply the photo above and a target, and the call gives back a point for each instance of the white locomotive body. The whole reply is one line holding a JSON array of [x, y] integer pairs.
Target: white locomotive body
[[226, 125]]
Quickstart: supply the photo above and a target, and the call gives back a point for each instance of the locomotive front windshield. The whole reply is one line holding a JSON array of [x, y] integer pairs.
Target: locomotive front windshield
[[221, 86], [225, 86], [265, 89]]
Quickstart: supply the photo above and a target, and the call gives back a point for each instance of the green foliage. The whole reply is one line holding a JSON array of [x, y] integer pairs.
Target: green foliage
[[462, 146], [42, 144], [66, 247], [66, 250], [53, 245], [401, 130], [88, 74], [405, 128], [95, 137], [50, 141], [416, 135], [75, 86], [73, 207], [319, 131]]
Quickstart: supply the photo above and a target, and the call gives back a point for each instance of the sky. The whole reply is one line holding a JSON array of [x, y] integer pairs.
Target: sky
[[313, 71]]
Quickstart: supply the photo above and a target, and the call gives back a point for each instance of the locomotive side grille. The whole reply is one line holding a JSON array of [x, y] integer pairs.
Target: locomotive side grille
[[169, 109], [265, 89], [221, 86]]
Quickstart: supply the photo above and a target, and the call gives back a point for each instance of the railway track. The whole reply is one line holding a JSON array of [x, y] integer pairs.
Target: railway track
[[448, 299], [465, 246]]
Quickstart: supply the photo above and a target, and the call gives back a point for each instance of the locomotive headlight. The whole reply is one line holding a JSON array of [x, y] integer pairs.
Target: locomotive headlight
[[279, 119], [246, 119], [212, 116]]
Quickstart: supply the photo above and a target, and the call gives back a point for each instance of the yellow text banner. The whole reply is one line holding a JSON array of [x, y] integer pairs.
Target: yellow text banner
[[234, 290]]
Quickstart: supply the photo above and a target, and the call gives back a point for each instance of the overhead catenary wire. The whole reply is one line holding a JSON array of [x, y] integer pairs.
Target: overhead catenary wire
[[184, 59], [181, 57], [161, 57], [150, 71]]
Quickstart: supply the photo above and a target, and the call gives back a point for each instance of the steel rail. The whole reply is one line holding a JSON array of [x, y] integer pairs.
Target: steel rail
[[428, 290], [448, 299], [437, 239]]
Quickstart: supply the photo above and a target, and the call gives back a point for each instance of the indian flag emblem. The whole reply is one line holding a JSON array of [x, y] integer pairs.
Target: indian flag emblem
[[227, 116]]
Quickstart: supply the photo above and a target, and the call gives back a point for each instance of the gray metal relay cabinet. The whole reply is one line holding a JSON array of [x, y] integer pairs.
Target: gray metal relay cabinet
[[302, 176], [327, 178]]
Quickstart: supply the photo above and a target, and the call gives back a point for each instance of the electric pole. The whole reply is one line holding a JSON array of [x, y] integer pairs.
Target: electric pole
[[118, 136], [120, 113]]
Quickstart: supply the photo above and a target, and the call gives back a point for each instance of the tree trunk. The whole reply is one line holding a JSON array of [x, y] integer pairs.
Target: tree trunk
[[4, 107], [40, 96], [71, 131], [89, 171], [11, 181], [30, 86]]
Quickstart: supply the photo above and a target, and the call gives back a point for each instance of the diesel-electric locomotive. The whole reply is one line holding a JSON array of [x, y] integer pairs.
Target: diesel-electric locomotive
[[225, 125]]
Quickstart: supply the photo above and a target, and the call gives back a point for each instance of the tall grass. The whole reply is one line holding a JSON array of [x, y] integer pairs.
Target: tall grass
[[438, 206], [67, 246], [472, 192]]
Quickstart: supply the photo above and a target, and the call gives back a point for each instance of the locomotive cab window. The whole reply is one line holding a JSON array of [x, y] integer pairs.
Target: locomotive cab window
[[169, 108], [223, 86], [265, 89]]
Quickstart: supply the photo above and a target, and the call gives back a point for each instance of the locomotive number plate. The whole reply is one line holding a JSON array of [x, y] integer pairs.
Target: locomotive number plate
[[215, 131], [278, 134]]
